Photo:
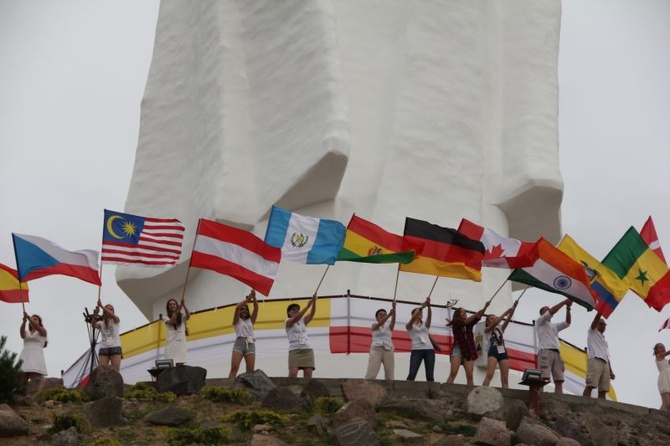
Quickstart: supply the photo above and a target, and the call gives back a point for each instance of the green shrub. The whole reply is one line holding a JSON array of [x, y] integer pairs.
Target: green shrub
[[106, 441], [64, 422], [467, 430], [327, 405], [186, 436], [10, 373], [246, 419], [224, 395], [143, 391], [62, 394]]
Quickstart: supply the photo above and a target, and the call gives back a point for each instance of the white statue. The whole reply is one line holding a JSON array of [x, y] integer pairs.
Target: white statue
[[435, 110]]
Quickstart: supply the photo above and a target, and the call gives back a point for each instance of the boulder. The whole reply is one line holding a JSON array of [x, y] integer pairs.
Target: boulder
[[105, 382], [356, 409], [11, 424], [353, 389], [532, 432], [493, 432], [313, 390], [356, 432], [168, 416], [283, 398], [182, 380], [105, 412], [485, 401], [257, 382]]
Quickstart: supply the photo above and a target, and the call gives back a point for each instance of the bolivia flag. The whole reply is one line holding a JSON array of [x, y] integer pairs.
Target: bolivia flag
[[38, 257], [368, 243], [442, 251], [604, 281], [10, 289], [556, 272], [634, 262]]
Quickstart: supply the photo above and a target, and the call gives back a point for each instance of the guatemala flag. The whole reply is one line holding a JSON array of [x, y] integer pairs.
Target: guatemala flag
[[304, 239]]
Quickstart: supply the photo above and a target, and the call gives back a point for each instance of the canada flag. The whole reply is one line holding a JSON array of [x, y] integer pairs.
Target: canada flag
[[501, 252]]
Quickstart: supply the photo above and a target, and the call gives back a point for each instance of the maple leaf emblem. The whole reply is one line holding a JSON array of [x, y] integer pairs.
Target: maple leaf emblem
[[495, 252]]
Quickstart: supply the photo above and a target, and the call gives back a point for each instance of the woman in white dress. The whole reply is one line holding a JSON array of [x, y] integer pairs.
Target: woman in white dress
[[245, 346], [175, 321], [663, 375], [110, 342], [34, 340]]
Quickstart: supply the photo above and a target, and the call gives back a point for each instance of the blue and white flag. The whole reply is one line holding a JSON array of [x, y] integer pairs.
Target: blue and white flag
[[304, 239]]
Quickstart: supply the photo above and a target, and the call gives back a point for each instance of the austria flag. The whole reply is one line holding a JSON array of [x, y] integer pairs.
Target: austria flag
[[236, 253], [501, 252]]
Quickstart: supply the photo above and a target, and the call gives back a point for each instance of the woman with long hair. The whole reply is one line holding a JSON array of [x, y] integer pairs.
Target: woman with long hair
[[422, 345], [300, 351], [464, 350], [663, 375], [244, 346], [110, 342], [175, 322], [34, 337], [497, 354], [381, 348]]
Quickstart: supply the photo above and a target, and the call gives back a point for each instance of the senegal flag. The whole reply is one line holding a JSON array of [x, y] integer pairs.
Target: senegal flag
[[610, 288], [635, 263], [10, 289], [368, 243], [442, 251], [556, 272]]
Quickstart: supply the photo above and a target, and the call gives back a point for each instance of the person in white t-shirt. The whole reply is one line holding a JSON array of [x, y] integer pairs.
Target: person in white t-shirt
[[110, 342], [599, 369], [245, 341], [381, 348], [300, 351], [549, 356]]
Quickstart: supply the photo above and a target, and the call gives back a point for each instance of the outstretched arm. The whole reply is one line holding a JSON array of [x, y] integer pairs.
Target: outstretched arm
[[290, 322], [415, 316], [187, 314], [477, 315], [429, 313], [22, 328], [509, 316], [254, 304], [392, 312], [106, 312], [553, 310], [596, 319], [312, 311], [376, 325]]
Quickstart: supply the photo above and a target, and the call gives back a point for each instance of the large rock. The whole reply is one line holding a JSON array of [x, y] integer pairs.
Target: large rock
[[257, 382], [168, 416], [356, 432], [284, 399], [11, 424], [105, 382], [356, 409], [485, 401], [423, 409], [532, 432], [601, 434], [314, 389], [493, 432], [353, 389], [513, 412], [182, 380], [105, 412]]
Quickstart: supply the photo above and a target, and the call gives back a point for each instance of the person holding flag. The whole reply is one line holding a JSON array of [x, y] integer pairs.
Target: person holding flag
[[464, 350], [549, 356], [599, 369], [244, 346], [381, 349], [497, 354], [110, 344], [175, 340], [33, 366], [423, 349], [300, 351]]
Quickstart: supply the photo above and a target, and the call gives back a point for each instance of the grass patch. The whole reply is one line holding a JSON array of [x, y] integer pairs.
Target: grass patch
[[224, 395], [62, 395]]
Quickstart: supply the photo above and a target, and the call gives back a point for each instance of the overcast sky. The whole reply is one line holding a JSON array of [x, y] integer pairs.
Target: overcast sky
[[72, 74]]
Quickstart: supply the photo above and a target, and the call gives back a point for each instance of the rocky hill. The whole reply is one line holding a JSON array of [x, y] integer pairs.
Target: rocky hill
[[257, 410]]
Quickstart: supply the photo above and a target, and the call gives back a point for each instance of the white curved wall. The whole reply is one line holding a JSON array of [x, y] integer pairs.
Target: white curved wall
[[436, 110]]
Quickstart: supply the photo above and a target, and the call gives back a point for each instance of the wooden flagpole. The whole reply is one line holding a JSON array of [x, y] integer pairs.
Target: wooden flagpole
[[395, 290], [497, 291], [321, 281], [433, 287], [521, 295]]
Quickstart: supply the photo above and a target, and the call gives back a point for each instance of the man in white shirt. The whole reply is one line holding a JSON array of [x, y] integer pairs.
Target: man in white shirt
[[599, 370], [549, 356]]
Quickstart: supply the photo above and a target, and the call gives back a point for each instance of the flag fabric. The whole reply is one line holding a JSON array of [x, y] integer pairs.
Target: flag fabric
[[442, 251], [556, 272], [609, 287], [38, 257], [10, 288], [368, 243], [130, 239], [236, 253], [501, 251], [634, 262], [648, 234], [304, 239], [665, 325]]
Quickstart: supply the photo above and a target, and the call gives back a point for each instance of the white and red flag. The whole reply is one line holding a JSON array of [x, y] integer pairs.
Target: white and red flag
[[501, 251], [665, 325], [648, 234], [236, 253]]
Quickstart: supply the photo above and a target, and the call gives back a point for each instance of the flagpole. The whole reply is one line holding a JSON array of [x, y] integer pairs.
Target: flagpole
[[521, 295], [395, 290], [433, 287], [23, 301], [188, 270], [497, 291], [321, 281]]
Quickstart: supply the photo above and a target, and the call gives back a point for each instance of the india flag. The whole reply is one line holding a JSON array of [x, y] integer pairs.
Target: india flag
[[556, 272]]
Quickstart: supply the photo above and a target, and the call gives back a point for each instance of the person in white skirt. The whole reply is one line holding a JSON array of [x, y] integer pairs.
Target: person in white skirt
[[244, 346], [381, 348], [663, 375], [34, 337], [175, 322]]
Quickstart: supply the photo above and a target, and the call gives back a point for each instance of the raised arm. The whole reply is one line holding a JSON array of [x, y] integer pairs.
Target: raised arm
[[254, 305], [509, 316], [392, 312], [568, 313], [429, 312], [290, 322], [22, 328], [416, 315], [553, 310], [187, 314], [312, 311], [106, 312], [376, 325], [477, 315], [596, 319]]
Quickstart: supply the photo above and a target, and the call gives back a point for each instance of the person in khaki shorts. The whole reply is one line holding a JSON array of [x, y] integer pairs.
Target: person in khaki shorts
[[549, 357], [599, 370]]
